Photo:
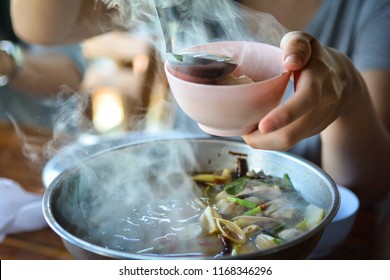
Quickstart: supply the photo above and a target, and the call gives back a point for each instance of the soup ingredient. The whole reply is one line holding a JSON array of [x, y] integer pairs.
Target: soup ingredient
[[265, 241], [236, 186], [264, 222], [231, 231], [243, 202], [208, 219], [211, 178], [290, 234], [313, 216], [267, 210]]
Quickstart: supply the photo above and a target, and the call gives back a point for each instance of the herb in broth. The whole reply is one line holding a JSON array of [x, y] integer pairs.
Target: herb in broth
[[236, 186]]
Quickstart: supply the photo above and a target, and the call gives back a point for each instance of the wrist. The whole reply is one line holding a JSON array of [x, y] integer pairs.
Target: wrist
[[16, 61]]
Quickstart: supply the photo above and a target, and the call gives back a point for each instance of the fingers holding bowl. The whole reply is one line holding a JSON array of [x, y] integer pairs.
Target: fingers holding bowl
[[317, 101], [296, 46]]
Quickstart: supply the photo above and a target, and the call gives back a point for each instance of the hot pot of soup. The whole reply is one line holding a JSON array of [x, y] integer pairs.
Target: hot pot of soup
[[190, 199]]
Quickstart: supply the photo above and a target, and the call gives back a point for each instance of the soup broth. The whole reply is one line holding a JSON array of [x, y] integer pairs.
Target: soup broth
[[230, 212]]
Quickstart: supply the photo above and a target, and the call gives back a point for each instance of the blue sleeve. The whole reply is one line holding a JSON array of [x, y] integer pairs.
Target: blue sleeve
[[373, 39]]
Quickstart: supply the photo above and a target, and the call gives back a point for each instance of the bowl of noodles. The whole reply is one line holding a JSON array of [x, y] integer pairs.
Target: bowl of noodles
[[190, 199]]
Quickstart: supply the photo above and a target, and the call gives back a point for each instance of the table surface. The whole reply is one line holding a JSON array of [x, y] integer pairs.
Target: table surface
[[369, 238]]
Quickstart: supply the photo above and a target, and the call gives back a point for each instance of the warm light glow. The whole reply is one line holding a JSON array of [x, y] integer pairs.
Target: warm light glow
[[140, 63], [108, 109]]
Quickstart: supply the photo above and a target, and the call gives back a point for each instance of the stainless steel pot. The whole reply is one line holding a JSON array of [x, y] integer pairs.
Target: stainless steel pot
[[78, 193]]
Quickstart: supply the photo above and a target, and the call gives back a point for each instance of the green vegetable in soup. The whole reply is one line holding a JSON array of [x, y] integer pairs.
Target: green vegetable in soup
[[243, 202], [236, 186]]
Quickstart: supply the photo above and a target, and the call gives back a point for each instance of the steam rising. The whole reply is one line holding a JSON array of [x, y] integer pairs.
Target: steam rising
[[68, 123], [197, 22], [116, 199]]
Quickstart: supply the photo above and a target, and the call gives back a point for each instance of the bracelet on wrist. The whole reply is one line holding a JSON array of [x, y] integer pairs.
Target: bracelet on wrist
[[16, 54]]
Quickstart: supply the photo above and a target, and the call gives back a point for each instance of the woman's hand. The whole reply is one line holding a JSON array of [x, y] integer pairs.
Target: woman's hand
[[320, 94], [332, 98]]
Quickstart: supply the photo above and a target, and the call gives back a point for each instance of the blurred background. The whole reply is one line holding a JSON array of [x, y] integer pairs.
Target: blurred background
[[126, 84]]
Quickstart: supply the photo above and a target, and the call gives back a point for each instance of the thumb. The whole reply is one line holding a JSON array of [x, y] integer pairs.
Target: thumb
[[296, 50]]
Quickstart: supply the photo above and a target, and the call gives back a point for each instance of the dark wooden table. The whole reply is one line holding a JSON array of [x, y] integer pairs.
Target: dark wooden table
[[24, 164], [369, 239]]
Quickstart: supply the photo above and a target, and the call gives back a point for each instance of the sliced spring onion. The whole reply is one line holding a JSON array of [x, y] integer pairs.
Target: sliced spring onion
[[253, 211], [287, 181], [279, 227], [243, 202]]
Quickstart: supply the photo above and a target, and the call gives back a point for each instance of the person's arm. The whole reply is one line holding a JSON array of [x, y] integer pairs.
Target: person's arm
[[49, 22], [356, 147], [334, 99], [45, 74], [42, 73]]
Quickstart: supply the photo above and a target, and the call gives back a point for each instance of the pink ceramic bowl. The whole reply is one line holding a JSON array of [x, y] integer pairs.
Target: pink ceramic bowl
[[233, 110]]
